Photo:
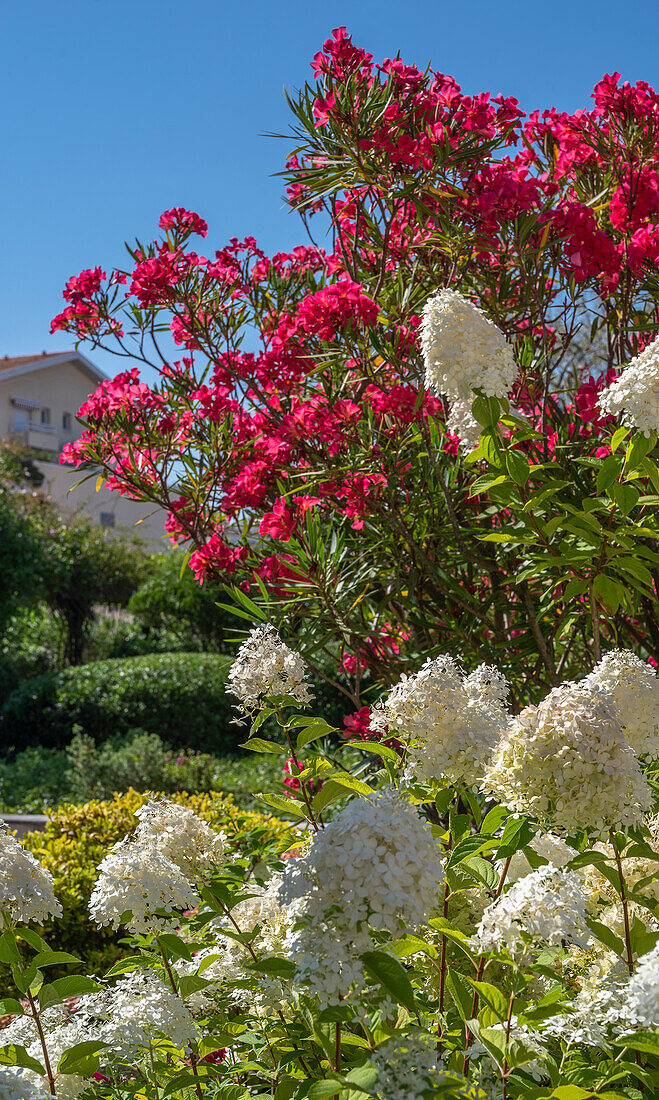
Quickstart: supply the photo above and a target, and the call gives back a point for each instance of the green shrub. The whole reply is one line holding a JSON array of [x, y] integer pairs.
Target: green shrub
[[142, 762], [33, 781], [33, 641], [9, 678], [179, 696], [78, 837], [110, 637]]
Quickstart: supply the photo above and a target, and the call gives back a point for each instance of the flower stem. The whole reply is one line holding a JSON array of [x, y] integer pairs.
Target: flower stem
[[42, 1040], [625, 905]]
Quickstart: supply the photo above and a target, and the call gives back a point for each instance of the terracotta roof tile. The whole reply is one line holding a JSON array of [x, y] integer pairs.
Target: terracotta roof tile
[[9, 362]]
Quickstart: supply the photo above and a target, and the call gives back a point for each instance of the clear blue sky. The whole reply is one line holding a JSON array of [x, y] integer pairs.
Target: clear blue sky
[[113, 112]]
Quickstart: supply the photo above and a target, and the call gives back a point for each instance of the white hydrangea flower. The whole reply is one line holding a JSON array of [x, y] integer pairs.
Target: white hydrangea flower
[[463, 350], [462, 422], [376, 865], [642, 994], [136, 1011], [62, 1030], [135, 876], [549, 906], [18, 1084], [567, 763], [634, 686], [532, 1040], [266, 666], [454, 719], [181, 836], [223, 962], [26, 888], [551, 848], [634, 395], [409, 1067]]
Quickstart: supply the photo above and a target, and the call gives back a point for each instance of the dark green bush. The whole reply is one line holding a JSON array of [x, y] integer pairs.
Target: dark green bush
[[179, 696], [34, 781], [9, 678]]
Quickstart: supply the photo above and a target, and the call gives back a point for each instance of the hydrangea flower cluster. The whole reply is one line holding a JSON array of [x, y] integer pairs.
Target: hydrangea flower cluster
[[634, 395], [566, 762], [463, 350], [549, 906], [181, 836], [408, 1067], [462, 422], [454, 720], [154, 873], [375, 866], [266, 666], [134, 1013], [26, 888], [17, 1084], [61, 1031], [136, 877], [643, 990], [551, 848], [634, 687]]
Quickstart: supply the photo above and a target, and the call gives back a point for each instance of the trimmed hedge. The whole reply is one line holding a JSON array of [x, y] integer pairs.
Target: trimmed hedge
[[78, 837], [179, 696]]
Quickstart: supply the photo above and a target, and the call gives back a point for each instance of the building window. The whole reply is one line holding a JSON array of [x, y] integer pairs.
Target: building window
[[107, 519], [45, 416], [66, 422]]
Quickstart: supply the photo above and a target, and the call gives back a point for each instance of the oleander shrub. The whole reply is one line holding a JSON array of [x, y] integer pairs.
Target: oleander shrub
[[179, 696]]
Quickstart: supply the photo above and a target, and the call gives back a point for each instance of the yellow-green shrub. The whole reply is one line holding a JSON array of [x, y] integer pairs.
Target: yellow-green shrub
[[78, 837]]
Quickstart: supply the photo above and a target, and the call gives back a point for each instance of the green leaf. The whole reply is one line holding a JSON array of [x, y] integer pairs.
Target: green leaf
[[320, 1089], [285, 804], [257, 744], [14, 1055], [468, 846], [518, 467], [617, 438], [336, 787], [608, 473], [518, 832], [482, 870], [81, 1058], [9, 952], [493, 997], [461, 992], [313, 731], [72, 986], [625, 496], [391, 975], [53, 958], [606, 936], [174, 946], [639, 447], [645, 1041], [385, 751], [11, 1007], [609, 592], [279, 968]]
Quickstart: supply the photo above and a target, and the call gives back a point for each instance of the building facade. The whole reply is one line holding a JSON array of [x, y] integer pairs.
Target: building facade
[[39, 399]]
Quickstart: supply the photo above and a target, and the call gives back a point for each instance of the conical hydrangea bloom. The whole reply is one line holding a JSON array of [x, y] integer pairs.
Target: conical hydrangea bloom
[[634, 687], [454, 720], [566, 762], [463, 350], [634, 395]]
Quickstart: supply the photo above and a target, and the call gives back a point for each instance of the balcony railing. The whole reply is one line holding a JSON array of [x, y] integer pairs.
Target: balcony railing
[[19, 424]]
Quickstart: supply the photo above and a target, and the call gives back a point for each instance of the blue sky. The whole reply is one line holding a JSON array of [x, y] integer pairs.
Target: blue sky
[[111, 113]]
